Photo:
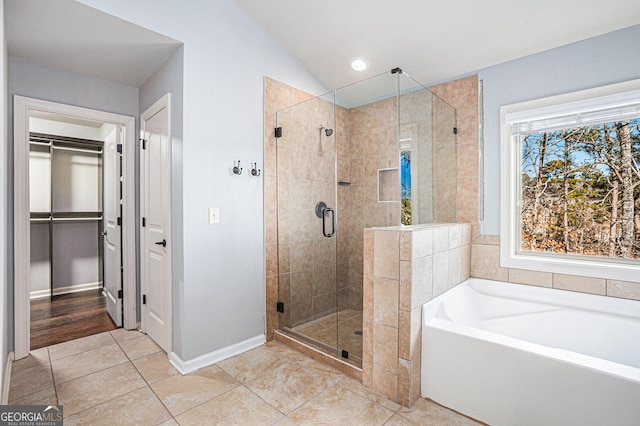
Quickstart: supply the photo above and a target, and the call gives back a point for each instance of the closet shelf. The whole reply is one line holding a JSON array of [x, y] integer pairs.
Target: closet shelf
[[66, 143], [40, 219], [67, 217], [39, 143], [68, 148], [76, 219]]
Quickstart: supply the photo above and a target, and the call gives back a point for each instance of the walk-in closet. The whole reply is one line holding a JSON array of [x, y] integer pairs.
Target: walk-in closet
[[66, 222]]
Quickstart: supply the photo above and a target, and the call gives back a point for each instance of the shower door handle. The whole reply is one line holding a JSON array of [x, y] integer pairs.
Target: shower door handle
[[325, 215]]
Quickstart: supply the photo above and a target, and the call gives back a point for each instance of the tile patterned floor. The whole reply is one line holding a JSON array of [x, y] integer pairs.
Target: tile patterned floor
[[337, 332], [122, 377]]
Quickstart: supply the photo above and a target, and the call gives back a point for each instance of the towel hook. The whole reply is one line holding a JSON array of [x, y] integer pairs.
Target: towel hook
[[254, 169], [237, 169]]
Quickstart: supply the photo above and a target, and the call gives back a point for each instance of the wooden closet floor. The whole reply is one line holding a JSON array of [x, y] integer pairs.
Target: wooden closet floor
[[68, 317]]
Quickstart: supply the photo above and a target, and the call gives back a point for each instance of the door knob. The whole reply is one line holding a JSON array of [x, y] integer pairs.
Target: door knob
[[162, 243]]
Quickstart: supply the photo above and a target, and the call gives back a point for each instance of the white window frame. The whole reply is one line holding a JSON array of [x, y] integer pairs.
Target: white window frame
[[582, 102]]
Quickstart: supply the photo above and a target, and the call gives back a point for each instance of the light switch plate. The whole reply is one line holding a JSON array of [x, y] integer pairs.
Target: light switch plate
[[214, 215]]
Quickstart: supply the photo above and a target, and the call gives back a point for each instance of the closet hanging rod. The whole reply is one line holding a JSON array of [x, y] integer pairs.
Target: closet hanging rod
[[64, 148], [48, 143], [76, 219]]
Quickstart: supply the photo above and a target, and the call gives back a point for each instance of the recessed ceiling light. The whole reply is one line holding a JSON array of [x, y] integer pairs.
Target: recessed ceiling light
[[358, 64]]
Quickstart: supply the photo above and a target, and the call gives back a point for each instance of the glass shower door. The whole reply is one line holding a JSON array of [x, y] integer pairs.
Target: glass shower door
[[308, 221]]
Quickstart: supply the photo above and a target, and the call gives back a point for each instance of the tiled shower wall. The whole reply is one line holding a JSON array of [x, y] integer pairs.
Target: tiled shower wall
[[366, 139], [427, 125], [276, 97], [305, 175], [371, 145], [463, 95], [372, 149]]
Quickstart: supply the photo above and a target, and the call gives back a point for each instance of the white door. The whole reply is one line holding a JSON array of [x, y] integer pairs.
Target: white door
[[111, 229], [155, 193]]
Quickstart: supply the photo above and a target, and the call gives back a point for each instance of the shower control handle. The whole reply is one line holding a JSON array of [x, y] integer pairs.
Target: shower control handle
[[329, 211]]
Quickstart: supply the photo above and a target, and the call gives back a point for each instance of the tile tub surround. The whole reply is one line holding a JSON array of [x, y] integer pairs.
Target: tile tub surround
[[405, 267], [271, 384], [485, 263]]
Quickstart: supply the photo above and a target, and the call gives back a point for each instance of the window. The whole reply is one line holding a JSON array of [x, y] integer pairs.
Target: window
[[571, 183], [405, 187], [406, 197]]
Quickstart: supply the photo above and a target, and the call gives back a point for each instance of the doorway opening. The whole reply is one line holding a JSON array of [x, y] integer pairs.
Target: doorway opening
[[66, 191], [74, 222]]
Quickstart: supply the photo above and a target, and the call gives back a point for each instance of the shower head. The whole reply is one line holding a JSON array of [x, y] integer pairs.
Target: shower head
[[327, 131]]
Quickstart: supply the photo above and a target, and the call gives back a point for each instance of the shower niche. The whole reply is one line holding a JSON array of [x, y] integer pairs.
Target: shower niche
[[381, 152]]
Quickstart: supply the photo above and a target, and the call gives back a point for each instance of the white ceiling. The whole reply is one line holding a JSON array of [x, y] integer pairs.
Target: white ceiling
[[430, 40], [68, 35]]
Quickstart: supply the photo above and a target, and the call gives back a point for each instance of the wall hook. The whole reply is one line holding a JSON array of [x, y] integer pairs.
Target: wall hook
[[254, 169], [237, 169]]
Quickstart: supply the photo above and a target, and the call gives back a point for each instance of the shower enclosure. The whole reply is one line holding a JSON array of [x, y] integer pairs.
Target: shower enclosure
[[381, 152]]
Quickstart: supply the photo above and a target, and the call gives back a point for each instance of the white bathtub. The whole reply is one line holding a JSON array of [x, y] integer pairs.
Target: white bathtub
[[509, 354]]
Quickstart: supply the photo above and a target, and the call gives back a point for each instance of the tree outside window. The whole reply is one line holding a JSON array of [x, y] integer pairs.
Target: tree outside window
[[580, 190], [405, 187]]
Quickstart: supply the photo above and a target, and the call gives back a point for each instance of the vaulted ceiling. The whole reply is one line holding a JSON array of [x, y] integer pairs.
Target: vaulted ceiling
[[430, 40]]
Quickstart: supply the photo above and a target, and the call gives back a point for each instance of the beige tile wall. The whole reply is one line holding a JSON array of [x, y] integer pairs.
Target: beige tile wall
[[366, 141], [485, 263], [403, 269], [445, 171], [305, 175], [276, 96], [372, 145], [417, 127], [428, 123], [462, 94]]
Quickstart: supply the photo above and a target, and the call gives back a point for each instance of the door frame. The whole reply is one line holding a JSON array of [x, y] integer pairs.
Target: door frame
[[22, 107], [162, 103]]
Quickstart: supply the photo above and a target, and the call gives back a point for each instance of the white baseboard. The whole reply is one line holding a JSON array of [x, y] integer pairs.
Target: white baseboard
[[39, 294], [6, 380], [189, 366]]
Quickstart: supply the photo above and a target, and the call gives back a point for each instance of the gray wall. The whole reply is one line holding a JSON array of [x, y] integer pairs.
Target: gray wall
[[220, 293], [37, 81], [606, 59]]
